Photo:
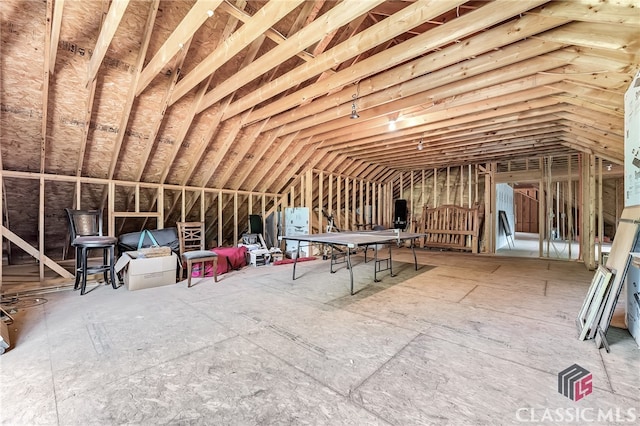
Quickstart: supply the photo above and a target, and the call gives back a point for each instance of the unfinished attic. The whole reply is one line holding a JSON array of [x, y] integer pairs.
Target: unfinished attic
[[493, 135]]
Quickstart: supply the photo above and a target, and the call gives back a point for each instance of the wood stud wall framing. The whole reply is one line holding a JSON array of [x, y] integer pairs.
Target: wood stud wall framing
[[155, 209], [344, 197]]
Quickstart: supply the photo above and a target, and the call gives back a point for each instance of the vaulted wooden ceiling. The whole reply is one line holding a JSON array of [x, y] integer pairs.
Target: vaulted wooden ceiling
[[248, 94]]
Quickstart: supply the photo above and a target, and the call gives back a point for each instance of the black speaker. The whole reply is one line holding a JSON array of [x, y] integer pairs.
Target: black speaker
[[255, 224], [400, 214]]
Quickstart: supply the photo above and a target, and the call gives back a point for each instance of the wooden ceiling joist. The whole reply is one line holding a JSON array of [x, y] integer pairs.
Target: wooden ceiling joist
[[441, 98], [197, 15], [202, 144], [610, 37], [624, 13], [56, 23], [364, 40], [265, 17], [126, 110], [446, 66], [332, 20], [438, 37], [109, 27], [470, 120]]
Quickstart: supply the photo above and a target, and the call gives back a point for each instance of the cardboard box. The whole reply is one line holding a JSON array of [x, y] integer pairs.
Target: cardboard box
[[140, 273], [4, 337]]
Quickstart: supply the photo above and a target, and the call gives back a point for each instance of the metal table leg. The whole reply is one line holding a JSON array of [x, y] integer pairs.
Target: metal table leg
[[295, 261], [413, 249], [390, 263], [350, 268]]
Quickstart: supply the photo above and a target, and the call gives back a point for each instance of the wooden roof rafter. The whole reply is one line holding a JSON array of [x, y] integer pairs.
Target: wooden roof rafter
[[362, 41], [58, 7], [480, 154], [618, 12], [181, 36], [237, 127], [88, 110], [45, 92], [475, 106], [281, 151], [298, 41], [203, 143], [474, 134], [302, 153], [263, 142], [470, 23], [108, 30], [213, 126], [178, 61], [492, 83], [241, 149], [387, 156], [264, 19], [438, 68], [128, 104]]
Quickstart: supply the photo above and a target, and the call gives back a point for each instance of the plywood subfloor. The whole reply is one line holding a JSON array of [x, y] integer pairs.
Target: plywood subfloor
[[463, 340]]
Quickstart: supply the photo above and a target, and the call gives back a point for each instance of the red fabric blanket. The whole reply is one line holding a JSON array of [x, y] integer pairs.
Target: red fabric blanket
[[229, 259]]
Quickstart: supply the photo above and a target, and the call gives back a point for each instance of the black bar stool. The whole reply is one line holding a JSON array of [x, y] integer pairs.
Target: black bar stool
[[85, 227]]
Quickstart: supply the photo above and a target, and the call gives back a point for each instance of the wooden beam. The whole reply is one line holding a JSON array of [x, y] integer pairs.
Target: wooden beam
[[612, 124], [506, 103], [281, 151], [164, 103], [225, 143], [241, 149], [111, 23], [197, 15], [244, 144], [213, 124], [184, 129], [35, 253], [128, 103], [340, 15], [577, 101], [503, 127], [45, 91], [420, 11], [611, 37], [87, 112], [270, 33], [618, 13], [488, 15], [598, 96], [410, 107], [303, 153], [437, 78], [259, 149], [58, 7], [448, 147], [264, 18]]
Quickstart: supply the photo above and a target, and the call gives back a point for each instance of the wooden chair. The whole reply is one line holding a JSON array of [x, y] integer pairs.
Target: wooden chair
[[85, 228], [192, 249]]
